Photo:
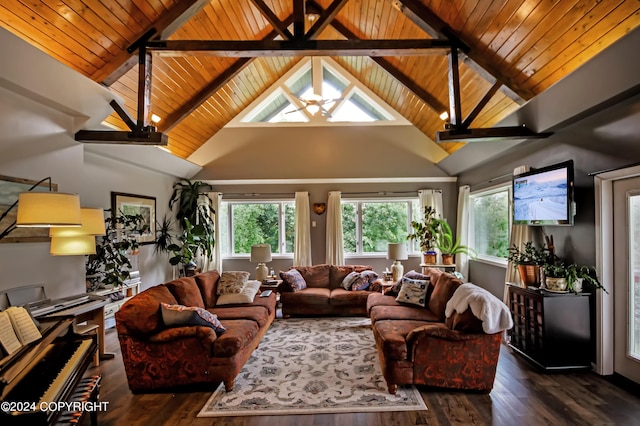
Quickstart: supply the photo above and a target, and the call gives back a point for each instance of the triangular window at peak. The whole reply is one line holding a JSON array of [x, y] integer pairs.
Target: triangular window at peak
[[317, 90]]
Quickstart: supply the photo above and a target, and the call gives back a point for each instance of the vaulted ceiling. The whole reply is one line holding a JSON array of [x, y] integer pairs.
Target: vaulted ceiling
[[510, 51]]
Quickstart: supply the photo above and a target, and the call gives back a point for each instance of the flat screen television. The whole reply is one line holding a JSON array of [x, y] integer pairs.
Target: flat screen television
[[544, 196]]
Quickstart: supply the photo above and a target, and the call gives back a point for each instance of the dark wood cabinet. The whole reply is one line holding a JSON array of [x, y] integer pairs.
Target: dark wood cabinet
[[549, 329]]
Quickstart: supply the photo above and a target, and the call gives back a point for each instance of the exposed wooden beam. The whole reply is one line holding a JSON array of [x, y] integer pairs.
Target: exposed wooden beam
[[122, 137], [489, 134], [455, 111], [123, 114], [144, 87], [164, 27], [429, 22], [326, 17], [425, 96], [275, 22], [205, 93], [298, 18], [483, 102], [271, 48]]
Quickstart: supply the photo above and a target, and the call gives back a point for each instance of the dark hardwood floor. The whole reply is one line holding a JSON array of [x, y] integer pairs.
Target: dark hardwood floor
[[521, 396]]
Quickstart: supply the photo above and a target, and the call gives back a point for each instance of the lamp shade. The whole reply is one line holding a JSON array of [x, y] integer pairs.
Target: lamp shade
[[397, 251], [45, 209], [260, 253], [70, 246], [92, 224]]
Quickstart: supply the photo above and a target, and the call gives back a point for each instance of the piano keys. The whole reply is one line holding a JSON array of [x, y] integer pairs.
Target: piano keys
[[46, 371]]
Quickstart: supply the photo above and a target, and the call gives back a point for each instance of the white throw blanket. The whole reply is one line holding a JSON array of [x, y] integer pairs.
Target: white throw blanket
[[494, 314]]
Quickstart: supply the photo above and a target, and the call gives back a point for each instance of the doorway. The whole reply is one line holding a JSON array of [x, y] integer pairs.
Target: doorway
[[626, 277]]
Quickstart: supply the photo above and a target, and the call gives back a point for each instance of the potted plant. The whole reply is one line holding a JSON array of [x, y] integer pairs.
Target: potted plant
[[194, 214], [425, 232], [555, 276], [576, 275], [528, 261], [447, 246], [110, 264], [185, 253]]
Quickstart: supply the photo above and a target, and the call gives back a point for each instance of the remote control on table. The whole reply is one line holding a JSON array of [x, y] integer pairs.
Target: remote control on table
[[266, 293]]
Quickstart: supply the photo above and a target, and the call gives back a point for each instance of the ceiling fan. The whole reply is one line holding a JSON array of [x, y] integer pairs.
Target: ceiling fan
[[314, 104]]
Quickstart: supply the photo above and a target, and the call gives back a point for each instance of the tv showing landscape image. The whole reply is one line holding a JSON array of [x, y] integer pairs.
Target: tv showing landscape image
[[542, 198]]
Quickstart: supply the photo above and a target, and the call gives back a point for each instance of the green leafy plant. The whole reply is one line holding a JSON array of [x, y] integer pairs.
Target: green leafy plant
[[164, 235], [426, 231], [193, 207], [529, 255], [185, 253], [110, 264], [446, 244], [557, 270]]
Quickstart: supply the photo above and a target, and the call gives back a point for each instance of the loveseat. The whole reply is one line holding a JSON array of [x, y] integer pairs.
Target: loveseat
[[322, 293], [158, 357], [420, 345]]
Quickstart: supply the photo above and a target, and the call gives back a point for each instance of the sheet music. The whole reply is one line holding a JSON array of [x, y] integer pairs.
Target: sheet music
[[8, 337], [23, 324]]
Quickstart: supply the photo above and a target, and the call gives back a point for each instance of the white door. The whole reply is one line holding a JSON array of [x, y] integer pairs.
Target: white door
[[626, 237]]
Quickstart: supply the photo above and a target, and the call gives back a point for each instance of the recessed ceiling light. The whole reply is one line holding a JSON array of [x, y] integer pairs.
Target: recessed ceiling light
[[156, 119], [444, 116]]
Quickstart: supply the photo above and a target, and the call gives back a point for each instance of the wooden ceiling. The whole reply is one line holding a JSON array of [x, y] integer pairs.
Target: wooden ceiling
[[512, 51]]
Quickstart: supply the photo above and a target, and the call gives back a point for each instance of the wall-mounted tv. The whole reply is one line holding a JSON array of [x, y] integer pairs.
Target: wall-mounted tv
[[544, 196]]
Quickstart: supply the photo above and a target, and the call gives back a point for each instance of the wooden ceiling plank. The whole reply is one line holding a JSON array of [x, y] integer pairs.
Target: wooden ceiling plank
[[422, 16], [275, 22], [206, 92], [480, 106], [427, 98], [518, 24], [553, 57], [260, 48], [166, 25], [325, 19], [125, 15]]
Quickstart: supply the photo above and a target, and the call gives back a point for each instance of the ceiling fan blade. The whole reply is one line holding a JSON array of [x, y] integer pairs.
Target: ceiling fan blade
[[328, 101], [324, 112]]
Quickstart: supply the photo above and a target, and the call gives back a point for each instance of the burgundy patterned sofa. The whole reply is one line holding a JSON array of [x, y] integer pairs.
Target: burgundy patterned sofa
[[323, 294], [157, 357], [419, 346]]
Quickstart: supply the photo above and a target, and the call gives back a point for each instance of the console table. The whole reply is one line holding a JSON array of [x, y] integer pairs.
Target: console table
[[552, 330]]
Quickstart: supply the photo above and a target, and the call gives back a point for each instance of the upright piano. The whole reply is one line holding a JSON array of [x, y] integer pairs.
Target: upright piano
[[45, 371]]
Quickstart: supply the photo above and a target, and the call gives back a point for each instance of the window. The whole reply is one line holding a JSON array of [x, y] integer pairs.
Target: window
[[243, 224], [490, 223], [368, 226]]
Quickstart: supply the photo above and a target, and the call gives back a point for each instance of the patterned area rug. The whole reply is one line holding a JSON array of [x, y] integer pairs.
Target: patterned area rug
[[308, 366]]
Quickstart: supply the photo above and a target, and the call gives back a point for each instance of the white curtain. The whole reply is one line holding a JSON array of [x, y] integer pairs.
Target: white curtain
[[216, 261], [335, 253], [302, 237], [464, 228], [430, 197]]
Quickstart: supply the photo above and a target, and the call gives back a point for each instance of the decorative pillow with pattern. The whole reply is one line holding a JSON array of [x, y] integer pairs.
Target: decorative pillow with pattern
[[247, 295], [395, 288], [413, 292], [179, 315], [232, 282], [293, 279], [351, 278], [370, 276]]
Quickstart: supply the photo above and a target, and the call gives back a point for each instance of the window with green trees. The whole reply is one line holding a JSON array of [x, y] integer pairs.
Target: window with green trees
[[244, 224], [490, 222], [368, 226]]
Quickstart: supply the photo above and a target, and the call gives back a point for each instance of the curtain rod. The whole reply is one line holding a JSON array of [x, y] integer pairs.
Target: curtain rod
[[257, 194], [381, 193]]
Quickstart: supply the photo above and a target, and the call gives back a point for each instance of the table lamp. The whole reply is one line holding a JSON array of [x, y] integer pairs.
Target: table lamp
[[261, 253], [397, 252]]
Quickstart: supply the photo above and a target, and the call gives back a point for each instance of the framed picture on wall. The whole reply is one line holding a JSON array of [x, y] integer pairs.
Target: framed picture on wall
[[131, 204]]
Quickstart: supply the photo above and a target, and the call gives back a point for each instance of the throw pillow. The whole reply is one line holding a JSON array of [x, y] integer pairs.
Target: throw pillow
[[179, 315], [395, 288], [293, 279], [232, 282], [370, 276], [413, 292], [247, 294], [348, 281], [362, 283]]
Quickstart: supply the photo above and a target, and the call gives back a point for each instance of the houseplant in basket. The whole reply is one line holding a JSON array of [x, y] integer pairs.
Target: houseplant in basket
[[528, 260], [425, 232], [447, 246]]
